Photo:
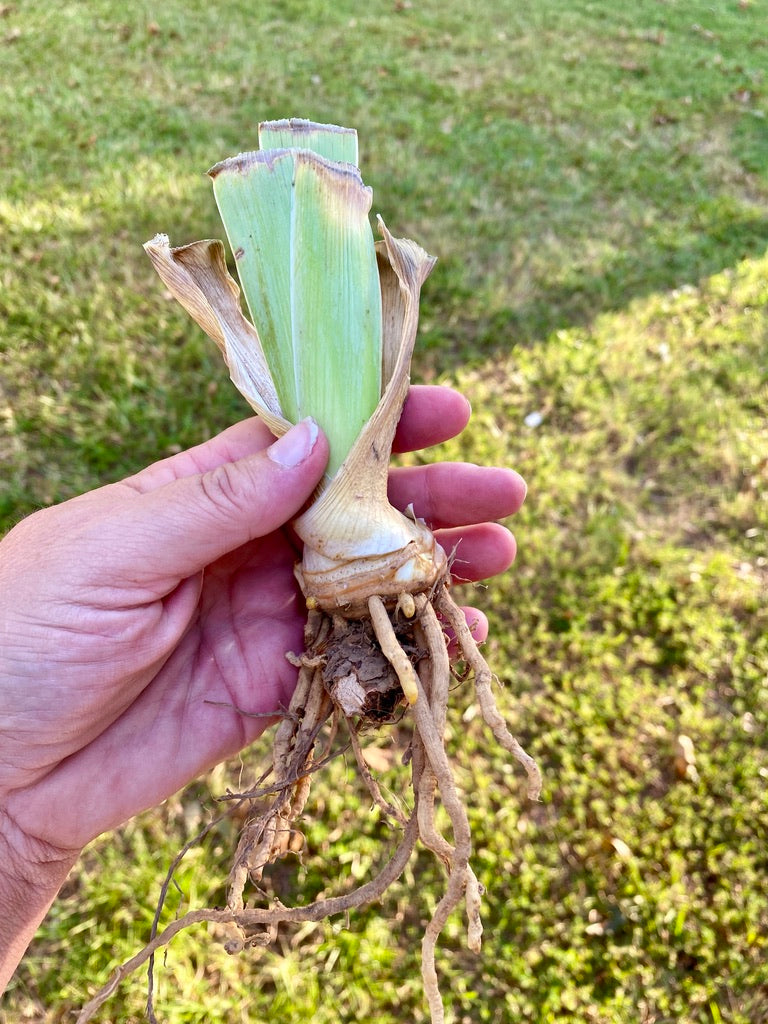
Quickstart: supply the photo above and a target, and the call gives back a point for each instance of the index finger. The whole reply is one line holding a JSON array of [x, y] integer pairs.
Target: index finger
[[431, 414]]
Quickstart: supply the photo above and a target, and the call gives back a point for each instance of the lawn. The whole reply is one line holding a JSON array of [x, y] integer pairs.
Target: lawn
[[593, 177]]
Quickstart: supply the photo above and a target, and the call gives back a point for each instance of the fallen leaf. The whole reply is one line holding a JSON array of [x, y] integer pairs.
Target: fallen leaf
[[705, 33], [662, 117], [635, 67]]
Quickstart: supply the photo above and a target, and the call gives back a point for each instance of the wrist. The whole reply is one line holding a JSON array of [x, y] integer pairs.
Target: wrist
[[31, 874]]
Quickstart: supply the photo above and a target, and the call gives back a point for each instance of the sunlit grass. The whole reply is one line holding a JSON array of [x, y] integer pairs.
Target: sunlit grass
[[592, 177]]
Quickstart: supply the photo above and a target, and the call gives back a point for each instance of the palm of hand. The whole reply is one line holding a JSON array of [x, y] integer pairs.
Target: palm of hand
[[124, 732]]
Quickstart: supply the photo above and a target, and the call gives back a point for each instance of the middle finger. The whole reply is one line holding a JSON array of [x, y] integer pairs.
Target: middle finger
[[449, 494]]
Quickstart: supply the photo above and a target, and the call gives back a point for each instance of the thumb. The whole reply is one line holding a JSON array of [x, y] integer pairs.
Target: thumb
[[177, 530]]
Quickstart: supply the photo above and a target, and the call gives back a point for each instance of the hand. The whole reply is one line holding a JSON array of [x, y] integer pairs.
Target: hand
[[128, 613]]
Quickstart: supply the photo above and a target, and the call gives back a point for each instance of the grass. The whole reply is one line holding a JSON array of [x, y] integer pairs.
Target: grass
[[593, 179]]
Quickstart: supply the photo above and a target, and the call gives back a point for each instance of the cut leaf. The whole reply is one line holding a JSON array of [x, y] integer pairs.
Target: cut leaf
[[335, 301], [254, 195], [329, 140], [336, 319], [298, 227]]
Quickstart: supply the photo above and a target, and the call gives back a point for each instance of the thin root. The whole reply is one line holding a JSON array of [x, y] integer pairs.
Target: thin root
[[277, 805], [267, 835], [438, 670], [483, 677], [437, 759], [250, 918], [389, 810]]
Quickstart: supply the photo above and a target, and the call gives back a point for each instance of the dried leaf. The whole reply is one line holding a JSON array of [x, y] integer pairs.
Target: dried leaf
[[197, 276]]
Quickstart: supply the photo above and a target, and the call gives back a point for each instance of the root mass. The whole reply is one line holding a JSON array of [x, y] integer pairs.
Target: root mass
[[361, 673]]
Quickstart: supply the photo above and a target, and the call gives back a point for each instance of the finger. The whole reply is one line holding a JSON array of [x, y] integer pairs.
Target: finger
[[431, 414], [478, 552], [178, 529], [477, 622], [478, 626], [456, 493], [235, 443]]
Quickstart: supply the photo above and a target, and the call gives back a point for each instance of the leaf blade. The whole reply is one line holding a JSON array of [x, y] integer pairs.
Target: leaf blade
[[254, 195], [328, 140], [336, 301]]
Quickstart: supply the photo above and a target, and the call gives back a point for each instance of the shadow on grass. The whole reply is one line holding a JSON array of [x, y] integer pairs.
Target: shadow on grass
[[722, 236]]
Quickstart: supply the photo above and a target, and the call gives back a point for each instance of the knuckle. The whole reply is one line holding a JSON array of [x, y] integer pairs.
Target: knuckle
[[221, 489]]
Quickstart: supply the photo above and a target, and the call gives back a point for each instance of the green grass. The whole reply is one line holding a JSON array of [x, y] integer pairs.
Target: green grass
[[593, 177]]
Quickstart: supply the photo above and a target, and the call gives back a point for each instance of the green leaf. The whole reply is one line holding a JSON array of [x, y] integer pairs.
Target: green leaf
[[253, 192], [329, 140], [336, 301], [298, 226]]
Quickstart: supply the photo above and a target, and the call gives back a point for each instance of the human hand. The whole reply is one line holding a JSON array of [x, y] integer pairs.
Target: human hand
[[130, 614]]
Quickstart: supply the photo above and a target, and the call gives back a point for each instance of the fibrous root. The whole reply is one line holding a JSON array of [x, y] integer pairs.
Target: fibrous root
[[362, 673]]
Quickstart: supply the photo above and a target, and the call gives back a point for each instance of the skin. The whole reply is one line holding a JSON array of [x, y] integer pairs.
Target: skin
[[125, 610]]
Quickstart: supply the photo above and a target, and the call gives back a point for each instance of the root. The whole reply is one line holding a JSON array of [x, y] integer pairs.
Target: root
[[388, 809], [439, 671], [483, 677], [391, 648], [267, 835], [163, 895], [248, 919], [437, 760], [361, 672]]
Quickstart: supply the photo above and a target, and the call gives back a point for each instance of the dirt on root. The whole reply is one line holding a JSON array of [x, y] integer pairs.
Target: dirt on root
[[357, 674]]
